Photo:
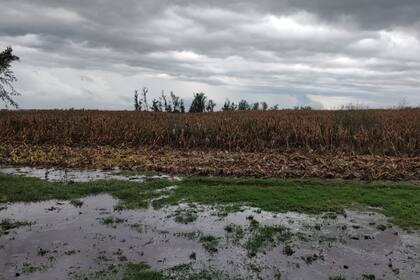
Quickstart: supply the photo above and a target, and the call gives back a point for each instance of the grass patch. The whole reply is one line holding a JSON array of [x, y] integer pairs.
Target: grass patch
[[236, 232], [143, 272], [28, 268], [224, 210], [210, 243], [263, 236], [76, 203], [183, 272], [24, 189], [339, 277], [7, 224], [111, 221], [189, 235], [185, 216], [399, 201]]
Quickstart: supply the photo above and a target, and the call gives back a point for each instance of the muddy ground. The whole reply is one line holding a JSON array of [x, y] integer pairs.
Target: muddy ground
[[287, 164], [89, 239]]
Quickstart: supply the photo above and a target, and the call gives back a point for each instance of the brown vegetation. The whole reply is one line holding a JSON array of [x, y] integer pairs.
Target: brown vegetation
[[353, 144], [216, 162], [374, 132]]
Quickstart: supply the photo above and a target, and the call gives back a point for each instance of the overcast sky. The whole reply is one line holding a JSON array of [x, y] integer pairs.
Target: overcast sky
[[323, 53]]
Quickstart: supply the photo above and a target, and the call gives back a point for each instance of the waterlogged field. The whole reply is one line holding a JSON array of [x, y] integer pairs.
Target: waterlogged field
[[354, 144], [57, 224]]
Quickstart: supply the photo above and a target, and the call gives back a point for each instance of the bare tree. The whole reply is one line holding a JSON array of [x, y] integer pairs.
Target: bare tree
[[145, 91], [176, 103], [210, 106], [166, 105], [157, 105]]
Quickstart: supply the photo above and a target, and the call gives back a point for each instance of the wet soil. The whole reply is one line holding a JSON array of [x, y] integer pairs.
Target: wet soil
[[83, 175], [287, 164], [63, 240]]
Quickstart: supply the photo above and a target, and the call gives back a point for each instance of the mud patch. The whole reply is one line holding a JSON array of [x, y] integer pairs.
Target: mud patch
[[72, 175], [282, 164], [93, 240]]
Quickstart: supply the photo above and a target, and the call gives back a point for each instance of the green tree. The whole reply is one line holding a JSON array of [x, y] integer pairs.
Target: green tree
[[198, 104], [229, 106], [264, 105], [137, 102], [7, 77], [243, 105], [182, 106]]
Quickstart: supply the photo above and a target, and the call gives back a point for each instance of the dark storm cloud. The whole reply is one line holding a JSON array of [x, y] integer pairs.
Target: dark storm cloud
[[372, 14], [318, 51]]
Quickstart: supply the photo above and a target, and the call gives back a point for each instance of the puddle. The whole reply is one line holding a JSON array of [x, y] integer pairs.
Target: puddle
[[67, 242], [60, 175], [75, 240]]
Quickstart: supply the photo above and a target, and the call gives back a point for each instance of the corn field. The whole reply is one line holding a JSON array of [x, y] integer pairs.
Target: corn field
[[377, 132]]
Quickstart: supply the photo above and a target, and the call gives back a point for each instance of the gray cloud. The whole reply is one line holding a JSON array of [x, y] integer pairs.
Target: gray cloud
[[323, 52]]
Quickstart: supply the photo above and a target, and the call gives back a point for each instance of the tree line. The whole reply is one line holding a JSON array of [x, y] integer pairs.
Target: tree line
[[172, 103], [200, 104]]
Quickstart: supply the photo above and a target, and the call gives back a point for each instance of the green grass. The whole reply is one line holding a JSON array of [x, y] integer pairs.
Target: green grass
[[25, 189], [111, 221], [183, 272], [142, 272], [236, 232], [399, 201], [339, 277], [263, 236], [209, 243], [185, 216], [76, 203]]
